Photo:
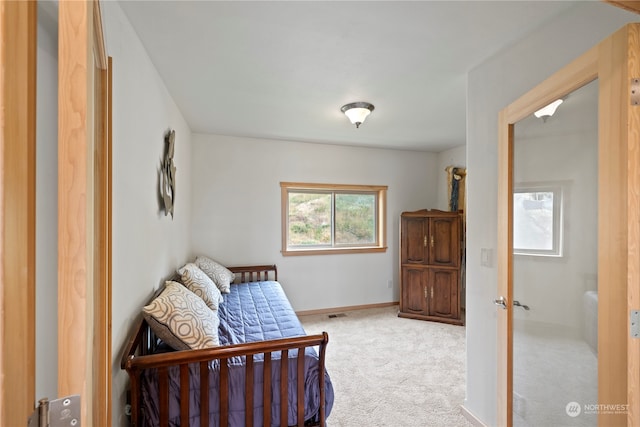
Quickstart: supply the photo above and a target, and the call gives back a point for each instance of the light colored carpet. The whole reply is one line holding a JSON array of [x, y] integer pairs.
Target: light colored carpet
[[389, 371], [552, 367]]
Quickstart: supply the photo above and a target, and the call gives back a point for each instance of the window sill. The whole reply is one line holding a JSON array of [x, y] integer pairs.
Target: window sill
[[333, 251]]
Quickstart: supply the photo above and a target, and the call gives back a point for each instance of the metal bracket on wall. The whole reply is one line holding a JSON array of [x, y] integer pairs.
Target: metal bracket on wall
[[635, 324], [635, 91], [64, 412]]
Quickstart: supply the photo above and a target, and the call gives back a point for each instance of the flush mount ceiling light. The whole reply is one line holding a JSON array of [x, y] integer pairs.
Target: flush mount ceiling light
[[357, 112], [549, 110]]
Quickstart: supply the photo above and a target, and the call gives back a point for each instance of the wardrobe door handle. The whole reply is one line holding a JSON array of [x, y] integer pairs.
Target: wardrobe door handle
[[425, 241], [432, 242]]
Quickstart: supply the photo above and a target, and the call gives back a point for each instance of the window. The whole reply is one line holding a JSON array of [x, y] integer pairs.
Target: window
[[331, 218], [537, 221]]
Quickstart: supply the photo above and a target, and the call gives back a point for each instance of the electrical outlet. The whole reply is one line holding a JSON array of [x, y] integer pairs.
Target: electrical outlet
[[389, 284]]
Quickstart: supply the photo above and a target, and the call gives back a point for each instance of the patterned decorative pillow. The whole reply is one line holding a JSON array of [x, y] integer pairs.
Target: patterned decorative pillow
[[181, 319], [200, 284], [220, 275]]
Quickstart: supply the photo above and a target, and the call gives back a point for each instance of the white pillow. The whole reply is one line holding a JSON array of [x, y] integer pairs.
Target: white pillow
[[220, 275], [181, 319], [200, 284]]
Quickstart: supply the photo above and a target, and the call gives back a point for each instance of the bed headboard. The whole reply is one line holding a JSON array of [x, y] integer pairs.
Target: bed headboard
[[255, 273]]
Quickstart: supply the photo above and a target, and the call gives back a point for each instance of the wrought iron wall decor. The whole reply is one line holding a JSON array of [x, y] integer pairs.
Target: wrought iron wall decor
[[168, 174]]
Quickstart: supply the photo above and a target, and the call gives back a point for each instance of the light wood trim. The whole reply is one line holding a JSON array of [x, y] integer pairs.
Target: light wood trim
[[100, 51], [333, 251], [284, 214], [102, 242], [629, 5], [3, 113], [576, 74], [346, 308], [382, 218], [18, 32], [99, 246], [505, 269], [614, 62], [75, 207], [109, 246], [633, 211], [338, 187], [612, 224]]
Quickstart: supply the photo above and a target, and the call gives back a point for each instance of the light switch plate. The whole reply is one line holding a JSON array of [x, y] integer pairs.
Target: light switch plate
[[486, 257]]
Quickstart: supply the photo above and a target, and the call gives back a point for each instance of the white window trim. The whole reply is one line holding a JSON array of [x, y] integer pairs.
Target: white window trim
[[558, 221]]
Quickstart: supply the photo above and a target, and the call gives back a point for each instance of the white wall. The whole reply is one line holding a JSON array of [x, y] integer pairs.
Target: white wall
[[456, 156], [492, 86], [147, 245], [47, 205], [236, 211]]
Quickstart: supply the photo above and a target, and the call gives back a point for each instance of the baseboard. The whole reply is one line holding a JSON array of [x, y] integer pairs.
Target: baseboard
[[346, 308], [471, 418]]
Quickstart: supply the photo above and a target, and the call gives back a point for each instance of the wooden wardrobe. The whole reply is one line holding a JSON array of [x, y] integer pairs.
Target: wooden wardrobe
[[431, 255]]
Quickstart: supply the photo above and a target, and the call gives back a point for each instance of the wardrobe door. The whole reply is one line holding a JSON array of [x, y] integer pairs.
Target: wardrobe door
[[444, 241], [414, 240]]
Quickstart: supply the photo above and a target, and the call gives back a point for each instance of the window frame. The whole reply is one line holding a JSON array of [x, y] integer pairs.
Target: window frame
[[557, 248], [381, 218]]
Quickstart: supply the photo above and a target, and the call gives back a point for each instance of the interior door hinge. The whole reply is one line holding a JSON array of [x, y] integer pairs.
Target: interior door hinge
[[635, 324], [64, 412], [635, 91]]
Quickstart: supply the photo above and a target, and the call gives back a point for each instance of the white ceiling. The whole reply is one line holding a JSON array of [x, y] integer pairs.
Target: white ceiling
[[282, 70]]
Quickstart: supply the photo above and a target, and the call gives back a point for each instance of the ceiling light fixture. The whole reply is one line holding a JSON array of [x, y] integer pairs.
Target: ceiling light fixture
[[549, 110], [357, 112]]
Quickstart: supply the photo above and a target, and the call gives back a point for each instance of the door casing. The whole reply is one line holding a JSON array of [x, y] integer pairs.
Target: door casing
[[18, 26], [84, 268], [613, 62]]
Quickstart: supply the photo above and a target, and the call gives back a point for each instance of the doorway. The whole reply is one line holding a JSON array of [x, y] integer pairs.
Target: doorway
[[610, 65]]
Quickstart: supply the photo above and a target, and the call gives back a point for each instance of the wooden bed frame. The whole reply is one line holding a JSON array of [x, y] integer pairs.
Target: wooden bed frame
[[139, 355]]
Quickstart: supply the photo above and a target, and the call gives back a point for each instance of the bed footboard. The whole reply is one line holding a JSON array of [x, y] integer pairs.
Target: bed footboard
[[182, 359], [141, 354]]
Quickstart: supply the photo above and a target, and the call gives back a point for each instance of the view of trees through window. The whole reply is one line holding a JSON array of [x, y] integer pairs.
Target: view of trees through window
[[311, 214]]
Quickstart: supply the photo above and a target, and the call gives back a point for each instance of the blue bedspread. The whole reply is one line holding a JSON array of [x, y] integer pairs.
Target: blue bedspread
[[251, 312]]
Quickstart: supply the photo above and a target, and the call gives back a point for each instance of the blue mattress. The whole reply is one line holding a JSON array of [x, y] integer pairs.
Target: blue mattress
[[251, 312]]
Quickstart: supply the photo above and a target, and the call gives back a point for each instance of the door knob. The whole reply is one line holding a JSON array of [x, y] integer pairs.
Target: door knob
[[502, 302]]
